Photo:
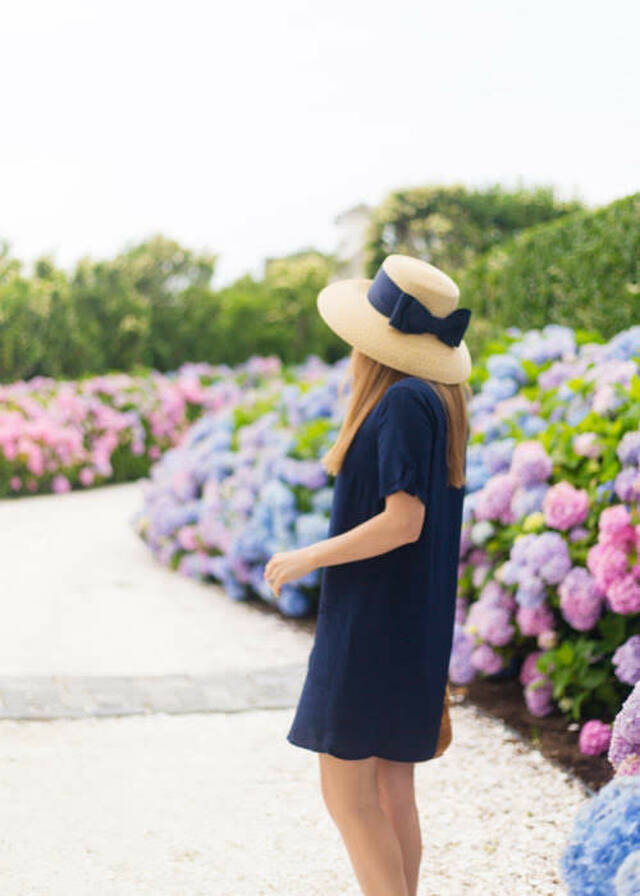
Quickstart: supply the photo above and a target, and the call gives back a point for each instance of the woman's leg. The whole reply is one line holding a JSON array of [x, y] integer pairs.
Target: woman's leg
[[397, 798], [350, 793]]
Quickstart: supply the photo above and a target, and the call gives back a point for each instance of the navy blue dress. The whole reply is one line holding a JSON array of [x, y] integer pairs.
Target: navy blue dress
[[378, 667]]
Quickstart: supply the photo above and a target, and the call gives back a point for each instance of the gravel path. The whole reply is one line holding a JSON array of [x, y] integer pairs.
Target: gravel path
[[92, 601], [215, 802]]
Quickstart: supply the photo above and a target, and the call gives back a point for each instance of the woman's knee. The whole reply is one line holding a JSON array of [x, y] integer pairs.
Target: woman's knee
[[348, 787], [395, 782]]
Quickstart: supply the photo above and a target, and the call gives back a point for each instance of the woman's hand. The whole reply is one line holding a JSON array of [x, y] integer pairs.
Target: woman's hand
[[285, 566]]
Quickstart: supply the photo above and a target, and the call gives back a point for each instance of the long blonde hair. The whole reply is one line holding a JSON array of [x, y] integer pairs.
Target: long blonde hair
[[369, 380]]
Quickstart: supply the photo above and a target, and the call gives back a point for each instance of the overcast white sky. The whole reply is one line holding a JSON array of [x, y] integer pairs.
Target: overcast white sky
[[245, 128]]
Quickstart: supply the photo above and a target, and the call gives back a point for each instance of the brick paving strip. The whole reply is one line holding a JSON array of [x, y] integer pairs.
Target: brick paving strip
[[77, 697]]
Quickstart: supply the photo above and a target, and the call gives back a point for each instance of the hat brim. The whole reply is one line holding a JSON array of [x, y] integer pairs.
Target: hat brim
[[345, 308]]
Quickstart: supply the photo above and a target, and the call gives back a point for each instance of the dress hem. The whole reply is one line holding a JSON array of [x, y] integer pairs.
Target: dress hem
[[314, 747]]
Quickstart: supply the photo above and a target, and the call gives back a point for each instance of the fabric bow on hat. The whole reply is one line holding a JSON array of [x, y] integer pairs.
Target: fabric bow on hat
[[410, 316], [407, 314]]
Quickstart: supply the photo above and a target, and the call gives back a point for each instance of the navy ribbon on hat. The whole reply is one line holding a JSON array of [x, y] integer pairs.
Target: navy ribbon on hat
[[407, 314]]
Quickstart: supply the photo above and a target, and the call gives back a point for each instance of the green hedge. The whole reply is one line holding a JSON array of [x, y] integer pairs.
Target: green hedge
[[582, 271], [450, 226]]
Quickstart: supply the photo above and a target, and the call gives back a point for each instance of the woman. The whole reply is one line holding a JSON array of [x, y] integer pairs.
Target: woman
[[374, 694]]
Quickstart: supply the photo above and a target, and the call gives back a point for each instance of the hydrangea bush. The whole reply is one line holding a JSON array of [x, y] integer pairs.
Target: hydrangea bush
[[551, 529], [246, 482], [56, 435], [549, 573]]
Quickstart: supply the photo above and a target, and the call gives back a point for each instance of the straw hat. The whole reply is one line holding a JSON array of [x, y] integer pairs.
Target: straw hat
[[406, 317]]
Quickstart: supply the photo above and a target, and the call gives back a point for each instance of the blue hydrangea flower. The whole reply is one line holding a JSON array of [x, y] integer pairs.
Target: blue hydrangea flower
[[627, 879], [605, 831]]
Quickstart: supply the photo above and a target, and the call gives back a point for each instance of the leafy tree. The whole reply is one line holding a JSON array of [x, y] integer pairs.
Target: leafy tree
[[277, 314]]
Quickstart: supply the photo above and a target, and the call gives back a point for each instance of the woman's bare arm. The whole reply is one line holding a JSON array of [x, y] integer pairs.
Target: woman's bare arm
[[399, 523]]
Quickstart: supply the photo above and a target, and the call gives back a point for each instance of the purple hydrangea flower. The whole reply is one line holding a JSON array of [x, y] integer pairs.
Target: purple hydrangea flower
[[531, 589], [520, 549], [461, 668], [580, 599], [497, 455], [527, 500], [494, 501], [530, 463], [625, 735], [627, 484], [493, 594], [629, 449], [486, 659], [550, 556], [578, 534], [538, 697], [492, 623], [529, 671], [626, 660]]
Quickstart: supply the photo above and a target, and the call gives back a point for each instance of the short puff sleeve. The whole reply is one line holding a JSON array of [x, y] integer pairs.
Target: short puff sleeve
[[405, 439]]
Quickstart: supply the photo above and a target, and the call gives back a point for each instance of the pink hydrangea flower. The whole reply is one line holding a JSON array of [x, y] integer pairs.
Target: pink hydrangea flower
[[595, 737], [86, 476], [578, 534], [624, 595], [60, 484], [478, 557], [534, 620], [615, 526], [607, 563], [565, 506]]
